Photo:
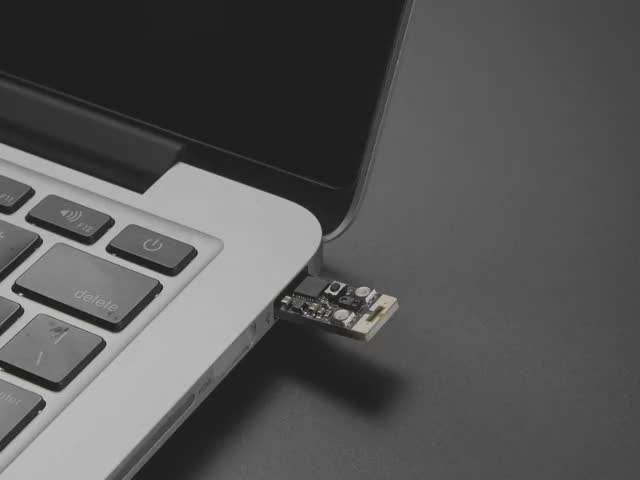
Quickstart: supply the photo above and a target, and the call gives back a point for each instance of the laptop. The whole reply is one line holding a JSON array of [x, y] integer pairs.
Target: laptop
[[166, 172]]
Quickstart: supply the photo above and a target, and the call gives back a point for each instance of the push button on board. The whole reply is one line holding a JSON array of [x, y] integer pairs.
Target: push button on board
[[70, 219]]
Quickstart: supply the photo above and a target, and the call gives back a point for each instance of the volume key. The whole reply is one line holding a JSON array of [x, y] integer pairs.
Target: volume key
[[70, 219]]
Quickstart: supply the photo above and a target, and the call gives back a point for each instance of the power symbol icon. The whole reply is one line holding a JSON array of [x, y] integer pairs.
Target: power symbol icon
[[152, 245]]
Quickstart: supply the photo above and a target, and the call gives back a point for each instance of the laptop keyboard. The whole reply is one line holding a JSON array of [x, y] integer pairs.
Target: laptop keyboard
[[80, 302]]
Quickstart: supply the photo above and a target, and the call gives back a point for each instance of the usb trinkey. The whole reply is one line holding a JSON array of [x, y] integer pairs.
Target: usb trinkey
[[354, 312]]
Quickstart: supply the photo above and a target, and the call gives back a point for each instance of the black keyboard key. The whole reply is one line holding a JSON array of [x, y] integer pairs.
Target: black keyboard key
[[70, 219], [16, 244], [49, 353], [88, 287], [13, 194], [9, 313], [17, 408], [152, 250]]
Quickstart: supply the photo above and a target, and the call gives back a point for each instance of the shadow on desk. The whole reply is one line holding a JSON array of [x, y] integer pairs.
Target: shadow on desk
[[287, 354]]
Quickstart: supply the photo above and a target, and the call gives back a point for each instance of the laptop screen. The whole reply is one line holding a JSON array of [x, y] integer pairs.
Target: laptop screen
[[291, 84]]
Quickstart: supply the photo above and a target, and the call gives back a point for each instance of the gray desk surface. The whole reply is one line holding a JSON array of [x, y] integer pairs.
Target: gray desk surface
[[504, 215]]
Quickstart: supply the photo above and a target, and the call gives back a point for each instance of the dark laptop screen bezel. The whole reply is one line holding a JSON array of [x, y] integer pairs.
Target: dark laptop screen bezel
[[331, 201]]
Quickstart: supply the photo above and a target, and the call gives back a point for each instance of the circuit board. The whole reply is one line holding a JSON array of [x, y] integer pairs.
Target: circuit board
[[355, 312]]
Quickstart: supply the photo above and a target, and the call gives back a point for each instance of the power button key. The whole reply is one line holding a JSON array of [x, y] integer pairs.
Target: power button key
[[152, 250]]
